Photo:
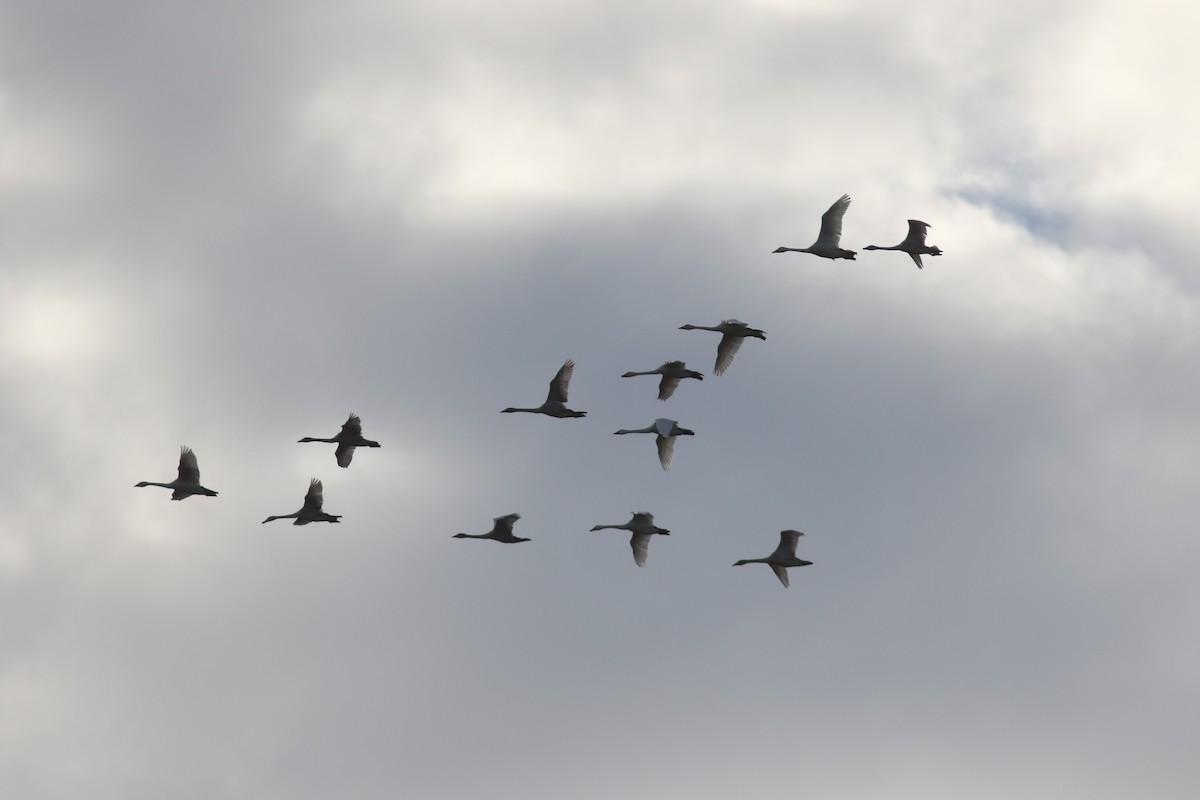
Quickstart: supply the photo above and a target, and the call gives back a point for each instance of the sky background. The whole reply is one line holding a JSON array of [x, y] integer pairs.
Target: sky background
[[228, 227]]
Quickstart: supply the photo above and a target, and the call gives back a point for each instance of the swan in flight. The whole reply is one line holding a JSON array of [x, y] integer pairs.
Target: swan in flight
[[311, 512], [556, 400], [828, 243], [783, 557], [733, 332], [667, 430], [672, 373], [502, 531], [642, 527], [914, 243], [349, 438], [188, 482]]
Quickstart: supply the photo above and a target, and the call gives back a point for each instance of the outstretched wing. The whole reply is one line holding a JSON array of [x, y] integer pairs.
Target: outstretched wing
[[344, 452], [667, 386], [561, 383], [916, 233], [831, 222], [787, 543], [189, 468], [726, 350], [353, 427], [781, 573], [640, 542], [666, 450], [315, 497], [505, 524]]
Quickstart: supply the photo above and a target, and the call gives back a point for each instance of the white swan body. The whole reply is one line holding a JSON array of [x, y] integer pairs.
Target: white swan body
[[828, 243], [914, 243], [642, 527], [556, 399], [783, 557], [732, 333], [665, 430], [672, 373]]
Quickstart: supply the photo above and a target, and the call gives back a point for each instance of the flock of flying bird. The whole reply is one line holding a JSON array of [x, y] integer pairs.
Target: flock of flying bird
[[641, 525]]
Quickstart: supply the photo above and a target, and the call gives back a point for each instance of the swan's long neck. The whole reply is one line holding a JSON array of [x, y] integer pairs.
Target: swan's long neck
[[334, 440], [154, 483], [880, 247], [751, 561]]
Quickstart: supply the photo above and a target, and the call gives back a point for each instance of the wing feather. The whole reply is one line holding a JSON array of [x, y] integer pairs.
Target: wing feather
[[666, 450], [353, 427], [561, 383], [831, 222], [505, 524], [189, 468], [315, 497], [640, 542], [726, 350], [917, 231]]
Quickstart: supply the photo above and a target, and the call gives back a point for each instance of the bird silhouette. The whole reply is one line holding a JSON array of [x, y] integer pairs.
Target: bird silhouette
[[556, 399], [783, 557], [732, 333], [502, 531], [347, 439], [914, 243], [642, 527], [828, 243], [188, 481], [311, 511], [672, 373]]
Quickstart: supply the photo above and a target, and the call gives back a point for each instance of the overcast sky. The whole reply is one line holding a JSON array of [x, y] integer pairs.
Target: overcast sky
[[229, 227]]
